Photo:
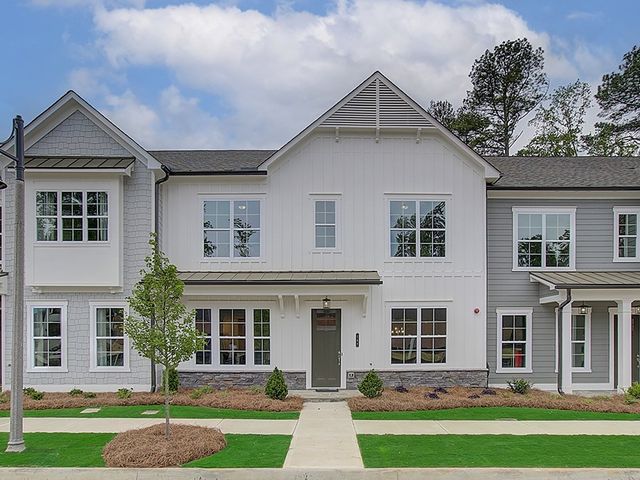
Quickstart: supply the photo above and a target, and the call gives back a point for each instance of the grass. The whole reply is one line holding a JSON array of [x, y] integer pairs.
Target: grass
[[248, 451], [494, 413], [57, 450], [550, 451], [177, 411]]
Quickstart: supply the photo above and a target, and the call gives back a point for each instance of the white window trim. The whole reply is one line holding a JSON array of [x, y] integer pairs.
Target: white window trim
[[63, 331], [417, 198], [85, 217], [616, 234], [93, 340], [419, 364], [337, 198], [528, 313], [231, 198], [541, 211], [587, 341]]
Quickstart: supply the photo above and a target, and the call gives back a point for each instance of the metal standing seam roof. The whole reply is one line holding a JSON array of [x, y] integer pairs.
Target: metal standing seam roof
[[100, 163], [282, 278], [578, 280]]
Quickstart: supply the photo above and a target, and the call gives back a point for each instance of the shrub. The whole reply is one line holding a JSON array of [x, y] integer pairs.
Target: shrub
[[75, 392], [401, 389], [206, 389], [474, 395], [276, 387], [633, 391], [432, 396], [441, 390], [89, 395], [371, 385], [174, 380], [198, 392], [519, 385], [28, 391], [36, 395], [488, 391], [4, 397], [123, 393]]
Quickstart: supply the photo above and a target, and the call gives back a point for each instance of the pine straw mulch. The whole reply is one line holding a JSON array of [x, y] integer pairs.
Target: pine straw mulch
[[148, 447], [239, 399], [456, 397]]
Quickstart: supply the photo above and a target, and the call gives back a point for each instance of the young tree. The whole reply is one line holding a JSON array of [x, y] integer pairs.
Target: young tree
[[507, 84], [559, 124], [443, 111], [619, 99], [162, 329]]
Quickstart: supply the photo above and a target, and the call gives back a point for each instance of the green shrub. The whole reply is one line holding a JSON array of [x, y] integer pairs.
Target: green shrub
[[519, 385], [88, 395], [196, 393], [633, 391], [75, 392], [123, 393], [36, 395], [371, 385], [174, 380], [276, 386], [4, 397], [28, 391]]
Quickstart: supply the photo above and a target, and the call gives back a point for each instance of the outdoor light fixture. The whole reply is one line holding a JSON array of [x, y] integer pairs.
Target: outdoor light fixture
[[584, 309], [326, 303]]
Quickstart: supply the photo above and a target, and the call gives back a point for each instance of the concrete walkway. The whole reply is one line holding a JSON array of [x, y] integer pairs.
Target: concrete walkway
[[324, 436]]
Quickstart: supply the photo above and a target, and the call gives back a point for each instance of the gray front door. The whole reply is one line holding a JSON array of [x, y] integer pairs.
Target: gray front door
[[325, 348], [635, 348]]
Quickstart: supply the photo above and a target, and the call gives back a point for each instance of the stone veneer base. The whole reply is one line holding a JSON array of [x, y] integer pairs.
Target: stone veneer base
[[422, 378], [295, 380]]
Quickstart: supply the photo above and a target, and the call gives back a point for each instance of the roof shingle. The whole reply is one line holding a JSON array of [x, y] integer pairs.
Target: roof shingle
[[211, 161]]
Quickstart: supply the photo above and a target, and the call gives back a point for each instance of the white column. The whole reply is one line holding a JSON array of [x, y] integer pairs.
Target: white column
[[624, 344], [567, 377]]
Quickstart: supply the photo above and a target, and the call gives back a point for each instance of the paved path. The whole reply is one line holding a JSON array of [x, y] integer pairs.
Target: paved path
[[325, 436]]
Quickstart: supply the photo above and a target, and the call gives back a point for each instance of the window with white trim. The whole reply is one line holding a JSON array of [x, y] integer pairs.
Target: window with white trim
[[580, 340], [543, 239], [47, 325], [110, 346], [514, 340], [204, 356], [72, 216], [233, 336], [625, 247], [424, 340], [261, 336], [417, 228], [325, 223], [231, 228]]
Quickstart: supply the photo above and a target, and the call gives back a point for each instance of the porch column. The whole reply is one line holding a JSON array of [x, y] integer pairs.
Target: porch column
[[567, 378], [624, 344]]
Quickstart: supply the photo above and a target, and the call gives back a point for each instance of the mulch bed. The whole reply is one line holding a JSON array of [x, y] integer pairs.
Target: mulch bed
[[240, 399], [148, 447], [456, 397]]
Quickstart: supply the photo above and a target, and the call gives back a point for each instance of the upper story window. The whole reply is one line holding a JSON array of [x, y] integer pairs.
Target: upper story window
[[72, 216], [625, 223], [543, 239], [417, 228], [325, 224], [231, 228]]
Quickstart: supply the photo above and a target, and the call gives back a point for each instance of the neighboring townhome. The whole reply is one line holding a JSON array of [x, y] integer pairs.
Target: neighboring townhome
[[563, 234]]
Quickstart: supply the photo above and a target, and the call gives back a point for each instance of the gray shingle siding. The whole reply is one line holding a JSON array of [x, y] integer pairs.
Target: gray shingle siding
[[506, 288]]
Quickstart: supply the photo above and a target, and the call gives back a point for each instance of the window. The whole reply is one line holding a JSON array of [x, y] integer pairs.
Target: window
[[580, 341], [405, 348], [417, 228], [110, 345], [231, 228], [543, 239], [46, 331], [514, 340], [325, 224], [233, 347], [261, 337], [72, 216], [203, 326], [625, 247]]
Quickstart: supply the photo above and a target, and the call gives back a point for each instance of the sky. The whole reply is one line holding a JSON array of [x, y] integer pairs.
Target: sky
[[253, 73]]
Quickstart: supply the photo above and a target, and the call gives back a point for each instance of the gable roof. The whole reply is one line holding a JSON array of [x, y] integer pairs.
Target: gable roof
[[213, 162], [379, 103], [564, 173]]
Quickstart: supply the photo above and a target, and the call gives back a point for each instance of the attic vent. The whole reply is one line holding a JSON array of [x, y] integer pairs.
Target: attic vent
[[376, 105]]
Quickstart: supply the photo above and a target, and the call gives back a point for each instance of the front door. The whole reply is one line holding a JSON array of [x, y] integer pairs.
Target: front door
[[635, 348], [325, 348]]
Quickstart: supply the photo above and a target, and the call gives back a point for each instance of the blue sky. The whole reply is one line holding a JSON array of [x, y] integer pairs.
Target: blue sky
[[252, 73]]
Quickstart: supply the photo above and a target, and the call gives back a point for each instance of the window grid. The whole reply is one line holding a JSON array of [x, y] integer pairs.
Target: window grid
[[433, 332], [110, 344], [410, 238], [47, 216], [47, 336], [579, 341], [325, 224], [204, 356], [404, 335], [513, 348], [543, 240], [261, 337], [97, 216], [627, 235], [233, 342], [227, 236], [71, 215]]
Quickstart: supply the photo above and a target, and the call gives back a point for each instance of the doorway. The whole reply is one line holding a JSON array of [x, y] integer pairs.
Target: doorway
[[325, 348]]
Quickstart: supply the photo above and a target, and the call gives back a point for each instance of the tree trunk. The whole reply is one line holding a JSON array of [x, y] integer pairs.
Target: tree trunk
[[167, 431]]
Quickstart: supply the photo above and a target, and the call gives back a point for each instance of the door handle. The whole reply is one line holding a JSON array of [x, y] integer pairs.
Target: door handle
[[339, 358]]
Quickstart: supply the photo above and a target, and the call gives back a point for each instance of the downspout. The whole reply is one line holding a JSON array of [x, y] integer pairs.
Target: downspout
[[560, 334], [156, 227]]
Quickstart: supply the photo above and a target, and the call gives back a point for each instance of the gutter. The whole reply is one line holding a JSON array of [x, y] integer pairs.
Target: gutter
[[156, 227], [560, 334]]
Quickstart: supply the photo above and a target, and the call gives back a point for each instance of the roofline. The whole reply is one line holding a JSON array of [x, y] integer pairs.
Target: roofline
[[579, 286], [283, 282], [218, 173], [533, 189]]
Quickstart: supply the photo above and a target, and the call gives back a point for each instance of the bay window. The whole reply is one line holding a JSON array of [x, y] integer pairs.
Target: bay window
[[72, 216]]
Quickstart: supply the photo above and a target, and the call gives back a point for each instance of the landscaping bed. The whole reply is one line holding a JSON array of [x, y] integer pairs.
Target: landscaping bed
[[415, 399]]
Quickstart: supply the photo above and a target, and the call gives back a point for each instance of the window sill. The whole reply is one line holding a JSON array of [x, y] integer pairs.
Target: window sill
[[514, 370], [626, 260], [47, 370], [543, 269], [110, 370], [326, 250]]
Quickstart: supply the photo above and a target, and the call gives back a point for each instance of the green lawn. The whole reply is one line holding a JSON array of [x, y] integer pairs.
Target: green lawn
[[551, 451], [248, 451], [177, 411], [494, 413]]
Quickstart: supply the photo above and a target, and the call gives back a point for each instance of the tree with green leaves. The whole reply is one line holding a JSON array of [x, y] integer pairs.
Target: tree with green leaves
[[470, 127], [607, 142], [161, 328], [619, 98], [507, 84], [559, 123]]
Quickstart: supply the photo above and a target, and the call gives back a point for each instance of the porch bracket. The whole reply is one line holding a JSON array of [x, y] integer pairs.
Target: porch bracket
[[281, 303], [297, 300]]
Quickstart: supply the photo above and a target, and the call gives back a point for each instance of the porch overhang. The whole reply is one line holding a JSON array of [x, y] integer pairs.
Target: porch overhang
[[82, 164], [311, 277], [587, 280]]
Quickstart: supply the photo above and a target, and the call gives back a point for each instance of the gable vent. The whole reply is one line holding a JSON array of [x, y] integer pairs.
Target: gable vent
[[376, 105]]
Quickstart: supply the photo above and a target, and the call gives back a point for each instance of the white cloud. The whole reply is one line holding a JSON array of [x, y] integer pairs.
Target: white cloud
[[89, 3]]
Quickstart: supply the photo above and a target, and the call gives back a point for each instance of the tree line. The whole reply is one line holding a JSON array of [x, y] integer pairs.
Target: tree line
[[509, 82]]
